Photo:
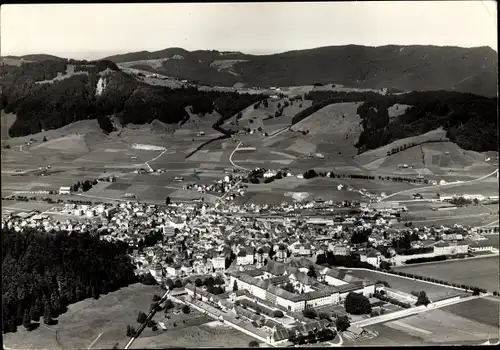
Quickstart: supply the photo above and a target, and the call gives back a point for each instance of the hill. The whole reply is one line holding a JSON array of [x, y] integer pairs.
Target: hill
[[102, 92], [405, 68]]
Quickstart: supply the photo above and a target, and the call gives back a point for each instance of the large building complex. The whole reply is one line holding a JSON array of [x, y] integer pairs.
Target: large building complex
[[313, 285]]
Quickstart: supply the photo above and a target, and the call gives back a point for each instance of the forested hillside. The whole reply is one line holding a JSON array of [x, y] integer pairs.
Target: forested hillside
[[470, 120], [406, 68], [53, 105], [43, 273]]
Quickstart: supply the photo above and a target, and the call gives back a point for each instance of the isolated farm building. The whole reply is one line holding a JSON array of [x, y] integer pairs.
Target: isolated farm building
[[65, 190]]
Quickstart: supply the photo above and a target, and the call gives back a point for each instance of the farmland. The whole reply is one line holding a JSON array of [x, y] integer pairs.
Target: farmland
[[212, 334], [84, 321], [435, 292], [483, 272], [442, 327]]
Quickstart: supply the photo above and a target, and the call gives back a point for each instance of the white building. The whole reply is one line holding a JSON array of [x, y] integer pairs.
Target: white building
[[65, 190]]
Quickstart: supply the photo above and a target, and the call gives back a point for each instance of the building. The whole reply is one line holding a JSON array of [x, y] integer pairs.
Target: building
[[219, 263], [450, 248], [65, 190], [245, 256], [314, 294]]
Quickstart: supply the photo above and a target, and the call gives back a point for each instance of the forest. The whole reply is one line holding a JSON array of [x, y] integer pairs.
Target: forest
[[43, 273], [53, 105], [470, 120]]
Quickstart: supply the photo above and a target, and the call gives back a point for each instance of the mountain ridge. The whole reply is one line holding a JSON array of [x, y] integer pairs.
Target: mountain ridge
[[403, 67]]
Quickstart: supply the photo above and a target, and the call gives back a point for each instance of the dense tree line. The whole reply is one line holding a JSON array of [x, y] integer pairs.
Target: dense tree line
[[429, 259], [43, 273], [329, 259], [470, 120]]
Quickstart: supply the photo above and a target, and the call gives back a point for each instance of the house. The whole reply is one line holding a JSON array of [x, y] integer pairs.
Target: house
[[245, 256], [339, 249], [373, 258], [281, 254], [219, 263], [65, 190]]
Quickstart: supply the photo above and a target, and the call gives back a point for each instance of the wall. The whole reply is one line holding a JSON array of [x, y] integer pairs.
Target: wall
[[334, 281]]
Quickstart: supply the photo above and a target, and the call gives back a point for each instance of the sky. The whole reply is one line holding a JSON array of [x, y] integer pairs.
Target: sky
[[96, 30]]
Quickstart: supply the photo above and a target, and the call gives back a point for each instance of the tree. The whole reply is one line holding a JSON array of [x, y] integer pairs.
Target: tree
[[311, 337], [156, 297], [357, 304], [167, 201], [253, 344], [312, 272], [27, 319], [324, 316], [186, 309], [150, 323], [178, 283], [154, 328], [385, 265], [198, 282], [278, 313], [309, 313], [170, 284], [422, 299], [235, 286], [169, 304], [142, 317], [342, 323], [131, 331]]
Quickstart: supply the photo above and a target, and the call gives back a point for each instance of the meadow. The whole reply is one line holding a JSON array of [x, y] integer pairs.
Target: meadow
[[103, 320], [435, 292], [213, 334], [481, 272]]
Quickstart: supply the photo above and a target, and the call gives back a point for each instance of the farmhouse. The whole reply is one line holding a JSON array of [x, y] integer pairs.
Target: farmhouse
[[65, 190]]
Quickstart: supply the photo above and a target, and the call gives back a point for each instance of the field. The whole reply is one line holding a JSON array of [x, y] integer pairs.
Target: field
[[81, 151], [105, 319], [264, 116], [213, 334], [484, 310], [435, 292], [481, 272], [381, 152], [433, 327]]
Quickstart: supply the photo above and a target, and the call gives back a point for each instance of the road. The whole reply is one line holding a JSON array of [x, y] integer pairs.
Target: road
[[414, 311], [231, 158], [340, 342], [491, 223], [439, 186], [141, 328], [152, 160]]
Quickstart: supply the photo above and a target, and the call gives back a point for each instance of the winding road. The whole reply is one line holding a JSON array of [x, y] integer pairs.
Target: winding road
[[152, 160], [231, 158], [439, 186]]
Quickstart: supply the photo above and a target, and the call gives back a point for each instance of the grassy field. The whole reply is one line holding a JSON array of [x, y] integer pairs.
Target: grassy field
[[105, 319], [435, 292], [484, 310], [213, 334], [483, 272], [442, 327], [381, 152]]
